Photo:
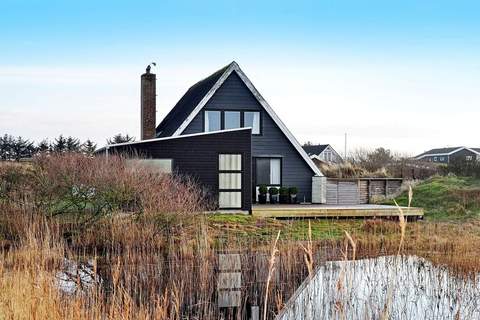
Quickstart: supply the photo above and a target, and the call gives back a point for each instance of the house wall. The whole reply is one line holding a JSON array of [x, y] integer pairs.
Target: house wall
[[462, 155], [458, 156], [234, 95], [197, 157]]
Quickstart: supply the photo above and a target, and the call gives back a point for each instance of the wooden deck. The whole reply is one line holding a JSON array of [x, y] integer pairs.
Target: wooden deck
[[333, 211]]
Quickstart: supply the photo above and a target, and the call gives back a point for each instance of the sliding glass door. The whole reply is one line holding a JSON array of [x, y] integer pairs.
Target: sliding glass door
[[267, 171]]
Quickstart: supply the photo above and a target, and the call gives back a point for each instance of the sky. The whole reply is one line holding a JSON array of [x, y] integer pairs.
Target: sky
[[404, 75]]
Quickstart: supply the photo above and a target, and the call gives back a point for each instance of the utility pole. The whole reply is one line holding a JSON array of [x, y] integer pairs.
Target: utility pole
[[345, 150]]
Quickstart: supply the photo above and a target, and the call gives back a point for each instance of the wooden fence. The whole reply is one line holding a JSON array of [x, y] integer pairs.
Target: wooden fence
[[360, 191]]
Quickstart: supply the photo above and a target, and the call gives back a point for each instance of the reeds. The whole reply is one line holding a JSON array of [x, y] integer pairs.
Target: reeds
[[156, 256]]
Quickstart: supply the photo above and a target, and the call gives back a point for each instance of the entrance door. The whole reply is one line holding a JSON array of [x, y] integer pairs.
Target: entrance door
[[230, 181]]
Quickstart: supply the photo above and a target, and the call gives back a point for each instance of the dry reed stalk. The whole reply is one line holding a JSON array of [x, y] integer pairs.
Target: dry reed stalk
[[271, 268], [403, 227], [308, 251]]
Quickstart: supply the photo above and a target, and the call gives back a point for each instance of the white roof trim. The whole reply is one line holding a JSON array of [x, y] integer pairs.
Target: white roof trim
[[172, 137], [476, 152], [443, 154], [235, 67]]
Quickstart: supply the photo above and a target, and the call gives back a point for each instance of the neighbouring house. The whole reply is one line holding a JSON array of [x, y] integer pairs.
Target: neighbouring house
[[322, 154], [447, 155], [223, 133]]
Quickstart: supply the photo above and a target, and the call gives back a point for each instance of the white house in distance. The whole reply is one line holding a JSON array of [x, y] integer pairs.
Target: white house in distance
[[322, 153]]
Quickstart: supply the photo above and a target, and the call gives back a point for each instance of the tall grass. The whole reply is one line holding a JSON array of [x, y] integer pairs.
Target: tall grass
[[153, 253]]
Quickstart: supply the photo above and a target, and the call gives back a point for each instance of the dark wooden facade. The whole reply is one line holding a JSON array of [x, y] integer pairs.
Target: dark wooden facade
[[234, 95], [197, 156]]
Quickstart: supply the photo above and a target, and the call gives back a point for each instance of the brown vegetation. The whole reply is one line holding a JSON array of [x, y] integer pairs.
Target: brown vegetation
[[153, 255]]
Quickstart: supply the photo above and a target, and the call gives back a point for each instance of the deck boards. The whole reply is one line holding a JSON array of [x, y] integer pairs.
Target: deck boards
[[341, 211]]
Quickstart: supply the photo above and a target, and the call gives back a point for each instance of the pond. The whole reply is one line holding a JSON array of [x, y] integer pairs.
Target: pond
[[394, 287]]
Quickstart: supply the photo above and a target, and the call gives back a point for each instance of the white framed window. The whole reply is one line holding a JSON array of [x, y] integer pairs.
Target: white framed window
[[230, 181], [232, 119], [252, 119], [268, 171], [469, 158], [435, 159], [158, 165], [212, 121]]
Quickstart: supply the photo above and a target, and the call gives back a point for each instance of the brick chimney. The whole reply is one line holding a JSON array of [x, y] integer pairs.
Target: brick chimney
[[148, 105]]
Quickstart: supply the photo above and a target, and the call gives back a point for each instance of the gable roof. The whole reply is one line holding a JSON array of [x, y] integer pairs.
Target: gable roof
[[199, 94], [315, 149], [446, 152], [186, 104]]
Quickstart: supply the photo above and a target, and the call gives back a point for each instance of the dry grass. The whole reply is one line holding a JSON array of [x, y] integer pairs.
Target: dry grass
[[158, 260]]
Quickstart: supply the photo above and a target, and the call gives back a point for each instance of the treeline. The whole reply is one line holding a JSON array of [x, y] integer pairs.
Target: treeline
[[16, 148]]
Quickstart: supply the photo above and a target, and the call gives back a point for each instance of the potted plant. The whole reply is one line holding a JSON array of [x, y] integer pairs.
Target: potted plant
[[293, 194], [284, 195], [273, 191], [262, 194]]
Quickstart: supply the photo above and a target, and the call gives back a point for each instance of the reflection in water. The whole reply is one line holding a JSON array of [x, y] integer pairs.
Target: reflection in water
[[76, 277], [395, 287]]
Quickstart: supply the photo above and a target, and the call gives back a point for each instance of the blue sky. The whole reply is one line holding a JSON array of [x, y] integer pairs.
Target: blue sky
[[399, 74]]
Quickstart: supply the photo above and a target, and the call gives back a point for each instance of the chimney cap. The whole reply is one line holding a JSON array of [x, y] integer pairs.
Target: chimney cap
[[149, 67]]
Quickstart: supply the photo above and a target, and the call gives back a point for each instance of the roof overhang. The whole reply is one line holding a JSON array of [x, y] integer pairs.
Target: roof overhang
[[443, 154], [171, 138]]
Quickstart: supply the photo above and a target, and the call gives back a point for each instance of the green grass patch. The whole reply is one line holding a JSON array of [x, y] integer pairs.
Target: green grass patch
[[437, 197], [266, 228]]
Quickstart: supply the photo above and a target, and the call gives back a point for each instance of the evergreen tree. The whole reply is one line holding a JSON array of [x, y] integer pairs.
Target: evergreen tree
[[60, 144], [43, 146], [119, 138], [89, 147], [6, 143], [21, 148], [72, 144]]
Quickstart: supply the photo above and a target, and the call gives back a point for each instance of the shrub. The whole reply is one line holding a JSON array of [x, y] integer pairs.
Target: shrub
[[273, 191], [84, 189], [283, 191], [263, 189], [293, 190]]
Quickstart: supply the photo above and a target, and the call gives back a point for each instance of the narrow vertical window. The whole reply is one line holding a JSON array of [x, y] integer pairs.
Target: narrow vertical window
[[212, 121], [230, 181], [252, 119]]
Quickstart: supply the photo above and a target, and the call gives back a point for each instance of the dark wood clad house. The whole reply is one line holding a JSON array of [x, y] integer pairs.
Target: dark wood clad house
[[224, 133], [447, 155]]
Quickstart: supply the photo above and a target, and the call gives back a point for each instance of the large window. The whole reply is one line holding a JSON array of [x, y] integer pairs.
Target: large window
[[219, 120], [268, 171], [232, 119], [212, 121], [230, 181], [252, 119]]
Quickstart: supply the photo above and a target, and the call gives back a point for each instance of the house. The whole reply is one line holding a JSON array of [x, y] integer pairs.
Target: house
[[322, 153], [223, 133], [447, 155]]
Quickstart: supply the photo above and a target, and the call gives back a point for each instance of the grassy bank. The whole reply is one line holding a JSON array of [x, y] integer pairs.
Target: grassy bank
[[446, 198]]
